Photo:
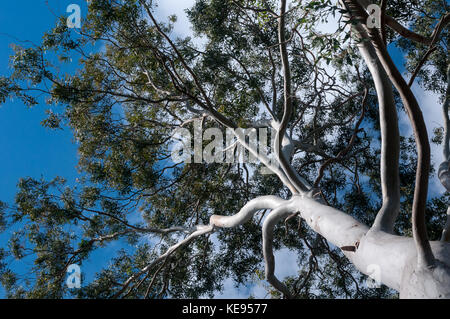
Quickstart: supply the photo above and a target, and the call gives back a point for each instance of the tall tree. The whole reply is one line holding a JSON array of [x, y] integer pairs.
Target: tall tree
[[339, 167]]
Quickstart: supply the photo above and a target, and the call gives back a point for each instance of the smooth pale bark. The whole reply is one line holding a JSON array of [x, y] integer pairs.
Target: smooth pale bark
[[395, 256], [291, 174], [246, 212], [446, 232], [390, 140], [274, 217], [444, 168], [425, 256], [416, 268], [444, 174]]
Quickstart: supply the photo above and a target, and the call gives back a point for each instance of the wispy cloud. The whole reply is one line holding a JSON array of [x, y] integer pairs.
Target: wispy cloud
[[178, 7]]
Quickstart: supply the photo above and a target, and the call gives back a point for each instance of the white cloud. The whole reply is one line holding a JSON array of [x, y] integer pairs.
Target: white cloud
[[169, 7], [329, 25]]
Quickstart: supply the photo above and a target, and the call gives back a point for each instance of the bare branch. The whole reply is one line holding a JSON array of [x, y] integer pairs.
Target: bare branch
[[424, 252], [199, 230], [288, 108], [390, 141], [421, 63], [347, 149]]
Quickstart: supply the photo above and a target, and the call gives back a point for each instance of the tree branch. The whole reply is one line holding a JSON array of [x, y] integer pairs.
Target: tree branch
[[424, 252], [444, 168], [347, 149], [199, 230], [247, 212], [267, 235], [390, 140], [288, 107], [419, 66], [406, 33]]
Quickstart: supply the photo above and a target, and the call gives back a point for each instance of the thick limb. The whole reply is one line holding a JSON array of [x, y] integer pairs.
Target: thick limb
[[267, 232], [425, 254], [390, 140], [247, 212], [444, 168], [394, 256], [288, 107]]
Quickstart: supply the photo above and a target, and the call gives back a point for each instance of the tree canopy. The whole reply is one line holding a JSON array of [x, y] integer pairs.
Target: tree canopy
[[249, 64]]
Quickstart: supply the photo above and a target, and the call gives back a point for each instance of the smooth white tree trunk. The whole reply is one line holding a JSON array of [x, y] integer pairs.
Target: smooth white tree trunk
[[395, 256]]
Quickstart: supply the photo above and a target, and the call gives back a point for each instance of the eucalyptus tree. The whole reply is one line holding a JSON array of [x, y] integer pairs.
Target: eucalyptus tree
[[356, 189]]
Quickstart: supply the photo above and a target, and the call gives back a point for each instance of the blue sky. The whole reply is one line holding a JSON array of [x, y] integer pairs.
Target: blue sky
[[28, 149]]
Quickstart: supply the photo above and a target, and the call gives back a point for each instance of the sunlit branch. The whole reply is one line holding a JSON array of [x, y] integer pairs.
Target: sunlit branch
[[267, 233], [288, 107], [444, 168], [390, 140], [424, 252]]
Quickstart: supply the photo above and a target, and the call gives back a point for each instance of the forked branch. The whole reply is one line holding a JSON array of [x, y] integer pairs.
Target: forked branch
[[288, 105]]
